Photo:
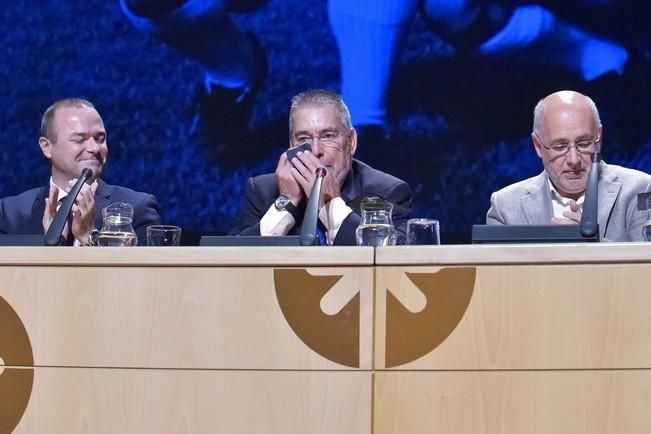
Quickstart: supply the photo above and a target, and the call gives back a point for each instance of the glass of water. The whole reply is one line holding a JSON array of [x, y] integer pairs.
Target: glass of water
[[423, 232], [163, 235]]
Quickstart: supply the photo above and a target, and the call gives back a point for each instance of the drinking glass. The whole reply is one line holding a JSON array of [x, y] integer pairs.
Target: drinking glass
[[163, 235], [423, 232]]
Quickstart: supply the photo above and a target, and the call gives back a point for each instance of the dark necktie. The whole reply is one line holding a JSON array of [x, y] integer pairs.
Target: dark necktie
[[320, 234], [68, 237]]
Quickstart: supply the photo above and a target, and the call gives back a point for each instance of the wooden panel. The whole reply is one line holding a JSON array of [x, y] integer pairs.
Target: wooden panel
[[582, 253], [538, 402], [518, 317], [167, 317], [187, 256], [556, 340], [76, 400]]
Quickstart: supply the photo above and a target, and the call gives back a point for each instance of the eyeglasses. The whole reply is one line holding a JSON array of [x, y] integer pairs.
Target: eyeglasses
[[331, 139], [582, 147]]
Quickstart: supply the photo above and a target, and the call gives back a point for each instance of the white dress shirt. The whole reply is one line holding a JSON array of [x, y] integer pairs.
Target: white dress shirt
[[332, 215], [561, 204]]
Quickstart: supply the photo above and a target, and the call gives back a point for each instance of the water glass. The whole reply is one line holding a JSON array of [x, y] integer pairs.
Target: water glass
[[163, 235], [423, 232]]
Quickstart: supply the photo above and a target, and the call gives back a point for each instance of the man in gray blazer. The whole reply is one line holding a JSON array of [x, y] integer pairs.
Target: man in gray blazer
[[566, 131]]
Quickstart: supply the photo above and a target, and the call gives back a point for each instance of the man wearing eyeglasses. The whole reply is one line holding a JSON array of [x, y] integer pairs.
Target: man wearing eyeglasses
[[566, 132], [275, 203]]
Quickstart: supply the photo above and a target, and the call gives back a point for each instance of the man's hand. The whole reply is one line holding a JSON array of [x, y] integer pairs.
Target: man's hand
[[83, 212], [286, 180], [51, 203], [571, 217], [306, 164]]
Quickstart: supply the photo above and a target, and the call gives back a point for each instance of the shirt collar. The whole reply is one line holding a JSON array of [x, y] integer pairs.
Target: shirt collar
[[62, 192], [556, 196]]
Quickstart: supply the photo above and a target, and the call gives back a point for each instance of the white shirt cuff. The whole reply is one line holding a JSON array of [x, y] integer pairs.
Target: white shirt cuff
[[275, 223]]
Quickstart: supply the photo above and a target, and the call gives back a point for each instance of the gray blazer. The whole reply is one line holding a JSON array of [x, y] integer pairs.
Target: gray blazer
[[529, 202]]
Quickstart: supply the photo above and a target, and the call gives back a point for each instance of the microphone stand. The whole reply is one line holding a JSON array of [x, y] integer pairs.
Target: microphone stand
[[589, 217], [310, 219], [53, 235]]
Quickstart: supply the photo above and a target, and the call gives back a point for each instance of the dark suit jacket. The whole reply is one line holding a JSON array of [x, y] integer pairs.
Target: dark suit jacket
[[362, 181], [23, 214]]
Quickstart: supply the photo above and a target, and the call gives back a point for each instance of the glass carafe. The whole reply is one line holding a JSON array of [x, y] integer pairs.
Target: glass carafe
[[117, 229], [376, 227]]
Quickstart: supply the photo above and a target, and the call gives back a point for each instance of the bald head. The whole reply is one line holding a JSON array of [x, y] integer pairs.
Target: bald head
[[565, 119], [561, 103]]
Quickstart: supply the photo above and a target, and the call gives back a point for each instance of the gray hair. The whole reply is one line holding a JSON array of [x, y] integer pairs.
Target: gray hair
[[320, 98], [47, 128], [538, 112]]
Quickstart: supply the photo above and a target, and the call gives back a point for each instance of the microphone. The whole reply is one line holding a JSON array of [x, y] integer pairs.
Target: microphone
[[589, 224], [310, 219], [53, 235]]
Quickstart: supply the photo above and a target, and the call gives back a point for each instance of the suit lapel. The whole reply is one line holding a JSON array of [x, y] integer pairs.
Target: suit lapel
[[102, 200], [609, 188], [38, 208], [536, 201], [537, 206], [351, 192]]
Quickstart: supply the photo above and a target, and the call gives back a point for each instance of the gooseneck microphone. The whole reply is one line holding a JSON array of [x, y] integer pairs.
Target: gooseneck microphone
[[589, 224], [53, 235], [310, 219]]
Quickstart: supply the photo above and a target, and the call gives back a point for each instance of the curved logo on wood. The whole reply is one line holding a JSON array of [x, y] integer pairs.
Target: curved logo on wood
[[335, 337], [410, 336], [15, 383]]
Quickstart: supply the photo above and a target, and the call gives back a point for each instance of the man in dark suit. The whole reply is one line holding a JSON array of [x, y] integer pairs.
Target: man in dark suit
[[275, 203], [73, 137]]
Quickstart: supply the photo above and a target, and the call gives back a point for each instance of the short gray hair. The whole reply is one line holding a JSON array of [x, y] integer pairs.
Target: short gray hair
[[538, 112], [47, 128], [320, 98]]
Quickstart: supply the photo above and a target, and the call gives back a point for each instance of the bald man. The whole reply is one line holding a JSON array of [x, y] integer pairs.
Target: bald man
[[566, 132]]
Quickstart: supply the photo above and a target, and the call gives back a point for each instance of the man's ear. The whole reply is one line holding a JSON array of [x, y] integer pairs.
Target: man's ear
[[46, 147], [353, 141], [536, 144]]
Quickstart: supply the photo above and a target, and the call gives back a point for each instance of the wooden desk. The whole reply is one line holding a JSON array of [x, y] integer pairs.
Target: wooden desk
[[513, 339], [187, 340], [442, 339]]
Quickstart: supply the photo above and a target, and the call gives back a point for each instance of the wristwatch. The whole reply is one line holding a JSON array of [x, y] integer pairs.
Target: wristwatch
[[282, 203], [92, 238]]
